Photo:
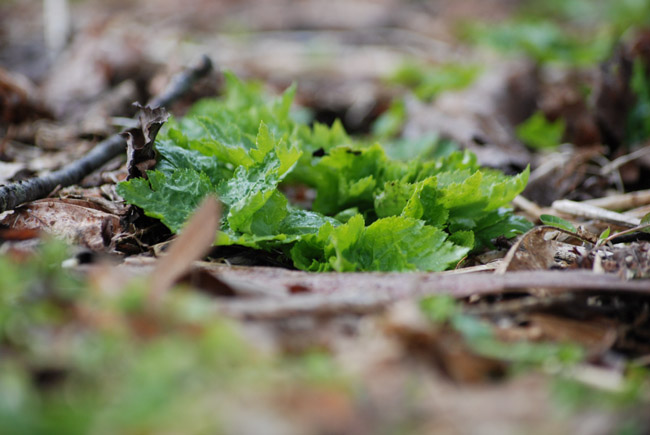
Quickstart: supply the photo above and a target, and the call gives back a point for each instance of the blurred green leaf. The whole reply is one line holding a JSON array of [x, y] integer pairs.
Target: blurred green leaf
[[539, 133], [557, 222], [390, 122], [428, 81], [604, 235]]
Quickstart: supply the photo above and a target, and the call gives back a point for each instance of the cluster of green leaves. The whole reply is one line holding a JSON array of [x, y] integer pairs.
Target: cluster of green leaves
[[370, 212], [77, 359], [557, 222], [27, 289], [571, 32], [428, 81]]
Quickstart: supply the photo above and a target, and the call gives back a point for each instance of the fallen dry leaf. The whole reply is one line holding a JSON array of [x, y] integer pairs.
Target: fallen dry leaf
[[76, 221], [18, 100], [596, 335], [441, 346], [141, 155], [538, 249]]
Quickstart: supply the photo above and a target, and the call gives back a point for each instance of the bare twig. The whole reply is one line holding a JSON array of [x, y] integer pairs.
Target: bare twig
[[638, 229], [592, 212], [361, 293], [627, 158], [18, 193], [622, 201]]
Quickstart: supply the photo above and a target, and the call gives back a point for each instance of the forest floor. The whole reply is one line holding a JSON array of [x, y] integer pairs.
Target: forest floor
[[126, 328]]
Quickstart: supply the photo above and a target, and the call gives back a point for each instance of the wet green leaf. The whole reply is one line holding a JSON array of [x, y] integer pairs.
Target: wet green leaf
[[557, 222]]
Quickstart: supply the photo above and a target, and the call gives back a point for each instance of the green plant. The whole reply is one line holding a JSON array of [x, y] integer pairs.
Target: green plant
[[542, 40], [370, 212], [557, 222]]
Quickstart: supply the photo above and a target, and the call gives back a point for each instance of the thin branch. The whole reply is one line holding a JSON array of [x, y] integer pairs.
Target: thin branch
[[362, 293], [617, 163], [14, 194], [592, 212], [624, 201], [640, 228]]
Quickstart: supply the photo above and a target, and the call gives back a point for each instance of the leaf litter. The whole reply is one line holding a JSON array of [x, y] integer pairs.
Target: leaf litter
[[559, 344]]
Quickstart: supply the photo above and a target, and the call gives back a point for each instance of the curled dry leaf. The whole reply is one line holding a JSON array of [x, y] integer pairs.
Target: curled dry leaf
[[141, 155], [76, 221]]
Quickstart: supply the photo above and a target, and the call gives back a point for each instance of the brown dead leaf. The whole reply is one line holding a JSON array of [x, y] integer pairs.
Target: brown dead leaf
[[18, 101], [141, 155], [596, 335], [18, 234], [102, 52], [101, 198], [78, 222], [441, 346], [538, 249]]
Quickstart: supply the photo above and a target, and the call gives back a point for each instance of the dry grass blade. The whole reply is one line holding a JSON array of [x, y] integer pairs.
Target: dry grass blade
[[192, 244]]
